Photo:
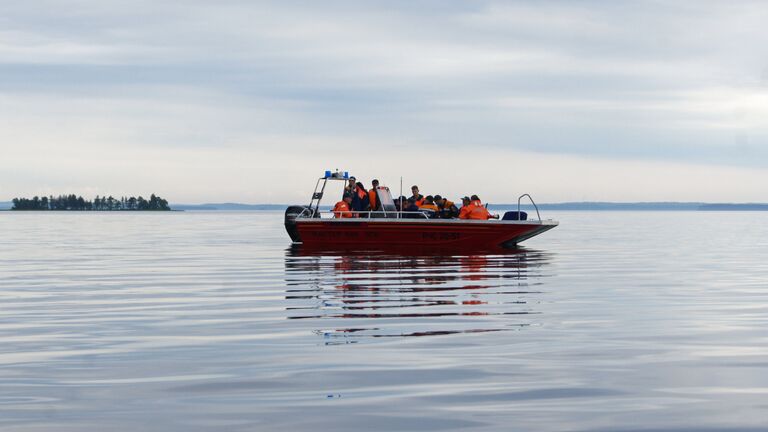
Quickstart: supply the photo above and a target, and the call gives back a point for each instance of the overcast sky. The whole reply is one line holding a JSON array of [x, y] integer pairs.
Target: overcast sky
[[202, 101]]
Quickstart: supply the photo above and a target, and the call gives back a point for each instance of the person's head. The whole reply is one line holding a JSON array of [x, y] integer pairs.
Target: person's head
[[465, 200], [475, 198], [348, 199], [438, 199], [375, 183], [411, 201], [415, 190], [352, 181], [429, 199]]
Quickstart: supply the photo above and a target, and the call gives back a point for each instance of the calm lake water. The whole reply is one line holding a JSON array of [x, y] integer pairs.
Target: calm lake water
[[193, 321]]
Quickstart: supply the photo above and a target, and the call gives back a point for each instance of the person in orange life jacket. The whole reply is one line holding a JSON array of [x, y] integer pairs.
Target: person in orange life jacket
[[341, 209], [429, 205], [373, 196], [448, 209], [360, 198], [466, 208], [418, 199], [479, 212], [491, 216]]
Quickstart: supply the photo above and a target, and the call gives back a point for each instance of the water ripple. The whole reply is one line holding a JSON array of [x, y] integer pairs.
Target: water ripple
[[204, 321], [409, 295]]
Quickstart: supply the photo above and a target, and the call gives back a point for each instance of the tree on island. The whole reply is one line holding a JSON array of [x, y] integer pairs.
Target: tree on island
[[73, 202]]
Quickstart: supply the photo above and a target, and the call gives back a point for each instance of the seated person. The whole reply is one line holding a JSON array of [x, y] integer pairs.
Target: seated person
[[466, 208], [411, 208], [429, 206], [342, 209], [479, 211], [401, 203], [448, 209]]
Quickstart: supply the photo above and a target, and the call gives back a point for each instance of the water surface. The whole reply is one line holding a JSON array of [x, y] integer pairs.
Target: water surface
[[211, 321]]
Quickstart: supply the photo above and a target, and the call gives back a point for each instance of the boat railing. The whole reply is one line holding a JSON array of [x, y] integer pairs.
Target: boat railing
[[306, 213], [313, 212], [309, 213], [534, 205]]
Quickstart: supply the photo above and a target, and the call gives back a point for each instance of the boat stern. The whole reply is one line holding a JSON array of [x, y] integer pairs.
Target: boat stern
[[291, 213]]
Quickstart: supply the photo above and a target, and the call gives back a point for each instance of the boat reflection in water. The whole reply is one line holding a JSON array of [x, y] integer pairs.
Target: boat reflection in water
[[357, 295]]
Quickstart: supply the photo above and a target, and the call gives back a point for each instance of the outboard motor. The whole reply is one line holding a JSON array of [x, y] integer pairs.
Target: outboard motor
[[291, 213]]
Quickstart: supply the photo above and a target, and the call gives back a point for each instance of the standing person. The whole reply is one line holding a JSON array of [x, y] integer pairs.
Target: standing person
[[349, 189], [373, 196], [341, 209], [418, 199], [359, 198], [448, 209]]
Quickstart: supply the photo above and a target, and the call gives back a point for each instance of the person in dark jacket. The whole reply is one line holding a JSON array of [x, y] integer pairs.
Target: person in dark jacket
[[360, 198], [401, 203], [447, 209], [411, 208], [349, 189]]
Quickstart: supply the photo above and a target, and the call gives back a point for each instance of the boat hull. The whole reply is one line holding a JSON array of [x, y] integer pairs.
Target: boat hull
[[404, 232]]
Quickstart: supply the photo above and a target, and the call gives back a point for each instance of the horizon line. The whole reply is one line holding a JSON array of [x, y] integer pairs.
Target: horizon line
[[493, 203]]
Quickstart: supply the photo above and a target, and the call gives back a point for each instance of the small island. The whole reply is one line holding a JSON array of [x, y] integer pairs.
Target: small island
[[77, 203]]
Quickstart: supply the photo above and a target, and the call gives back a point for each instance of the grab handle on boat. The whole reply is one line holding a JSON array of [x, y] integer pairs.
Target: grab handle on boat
[[534, 205]]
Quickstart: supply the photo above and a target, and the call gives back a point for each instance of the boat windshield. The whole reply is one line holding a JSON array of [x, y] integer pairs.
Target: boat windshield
[[385, 197]]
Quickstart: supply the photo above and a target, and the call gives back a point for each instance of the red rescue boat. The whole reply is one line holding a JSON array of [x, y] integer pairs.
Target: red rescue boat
[[389, 227]]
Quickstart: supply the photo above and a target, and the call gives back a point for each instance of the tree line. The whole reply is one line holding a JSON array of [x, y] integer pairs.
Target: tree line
[[72, 202]]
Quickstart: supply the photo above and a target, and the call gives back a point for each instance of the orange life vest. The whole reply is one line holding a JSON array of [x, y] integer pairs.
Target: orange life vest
[[448, 209], [372, 195], [478, 211], [429, 207], [341, 210], [419, 200], [465, 211]]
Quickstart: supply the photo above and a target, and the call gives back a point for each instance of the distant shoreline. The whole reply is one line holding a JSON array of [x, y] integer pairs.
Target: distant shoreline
[[86, 211], [72, 202], [569, 206]]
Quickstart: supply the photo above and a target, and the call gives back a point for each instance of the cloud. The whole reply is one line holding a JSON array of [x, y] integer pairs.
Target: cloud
[[629, 84]]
